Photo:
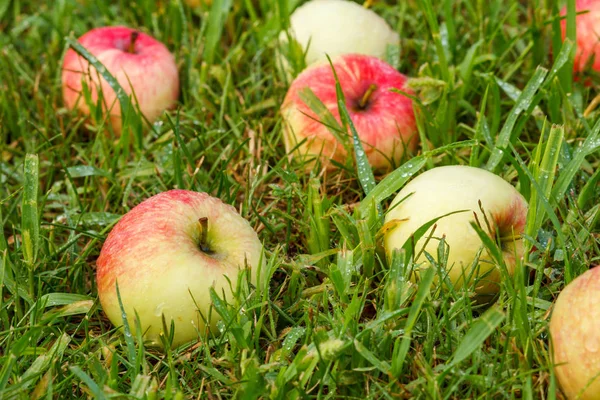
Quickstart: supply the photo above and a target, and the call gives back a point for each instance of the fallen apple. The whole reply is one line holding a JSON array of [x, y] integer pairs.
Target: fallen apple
[[587, 25], [143, 66], [166, 253], [575, 334], [448, 189], [337, 27], [384, 119]]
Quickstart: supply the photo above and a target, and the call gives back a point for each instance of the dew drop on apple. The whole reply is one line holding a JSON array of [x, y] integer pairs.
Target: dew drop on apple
[[158, 311]]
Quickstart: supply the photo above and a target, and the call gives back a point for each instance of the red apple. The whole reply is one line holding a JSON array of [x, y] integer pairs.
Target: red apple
[[588, 34], [575, 333], [166, 253], [384, 119], [142, 65]]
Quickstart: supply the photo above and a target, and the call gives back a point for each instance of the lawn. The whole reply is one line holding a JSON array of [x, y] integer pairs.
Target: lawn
[[494, 89]]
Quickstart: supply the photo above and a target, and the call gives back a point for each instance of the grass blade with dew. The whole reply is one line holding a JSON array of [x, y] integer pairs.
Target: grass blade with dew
[[544, 176], [401, 347], [523, 103], [480, 330], [363, 168]]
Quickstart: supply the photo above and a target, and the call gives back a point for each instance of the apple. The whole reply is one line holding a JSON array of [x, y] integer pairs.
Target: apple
[[143, 66], [337, 27], [575, 334], [587, 27], [447, 189], [166, 253], [384, 119]]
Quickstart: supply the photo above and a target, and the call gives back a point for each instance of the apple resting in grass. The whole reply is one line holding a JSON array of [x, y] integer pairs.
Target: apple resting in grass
[[384, 119], [588, 34], [143, 66], [575, 334], [337, 27], [443, 190], [166, 253]]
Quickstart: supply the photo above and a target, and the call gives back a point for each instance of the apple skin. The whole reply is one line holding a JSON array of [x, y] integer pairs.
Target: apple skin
[[575, 333], [337, 27], [150, 71], [154, 254], [386, 126], [443, 190], [587, 34]]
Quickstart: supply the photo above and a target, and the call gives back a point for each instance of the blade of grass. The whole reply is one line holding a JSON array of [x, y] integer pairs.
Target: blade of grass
[[481, 329], [363, 168], [523, 103]]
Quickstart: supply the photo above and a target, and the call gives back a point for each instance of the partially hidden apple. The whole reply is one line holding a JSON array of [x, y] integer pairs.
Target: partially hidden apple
[[337, 27], [384, 119], [166, 253], [575, 335], [448, 189], [587, 25], [143, 66]]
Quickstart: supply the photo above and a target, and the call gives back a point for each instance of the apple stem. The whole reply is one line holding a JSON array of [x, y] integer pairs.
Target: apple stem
[[133, 38], [203, 233], [365, 99]]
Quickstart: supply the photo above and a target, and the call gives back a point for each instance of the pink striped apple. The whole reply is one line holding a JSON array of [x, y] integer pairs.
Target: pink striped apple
[[588, 34], [444, 190], [143, 66], [575, 334], [166, 253], [384, 119]]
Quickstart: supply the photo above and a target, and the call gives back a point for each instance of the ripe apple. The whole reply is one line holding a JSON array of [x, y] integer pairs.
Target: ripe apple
[[575, 333], [143, 66], [384, 119], [587, 27], [443, 190], [337, 27], [166, 253]]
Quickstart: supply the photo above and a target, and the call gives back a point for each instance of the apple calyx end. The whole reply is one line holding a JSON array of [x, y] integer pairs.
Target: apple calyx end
[[132, 39]]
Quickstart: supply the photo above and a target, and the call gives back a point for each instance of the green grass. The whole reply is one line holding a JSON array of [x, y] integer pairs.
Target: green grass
[[494, 90]]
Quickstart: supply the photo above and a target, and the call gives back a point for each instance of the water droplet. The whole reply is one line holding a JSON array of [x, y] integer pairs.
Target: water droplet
[[158, 311]]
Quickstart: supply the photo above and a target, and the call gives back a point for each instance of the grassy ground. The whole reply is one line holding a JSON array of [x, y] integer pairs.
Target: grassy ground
[[485, 79]]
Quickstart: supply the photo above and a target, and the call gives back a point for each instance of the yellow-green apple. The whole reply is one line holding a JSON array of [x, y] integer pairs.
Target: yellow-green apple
[[166, 253], [384, 119], [587, 25], [448, 189], [143, 66], [337, 27], [575, 334]]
